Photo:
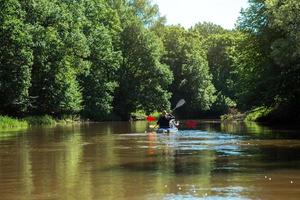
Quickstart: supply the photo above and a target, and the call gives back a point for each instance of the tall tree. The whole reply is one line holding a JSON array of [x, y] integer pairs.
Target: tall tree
[[220, 55], [60, 49], [15, 59], [187, 60], [286, 52], [100, 81], [145, 10], [207, 29], [274, 26], [143, 80]]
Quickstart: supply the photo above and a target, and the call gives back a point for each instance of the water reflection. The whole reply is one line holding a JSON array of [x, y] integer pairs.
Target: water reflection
[[120, 161]]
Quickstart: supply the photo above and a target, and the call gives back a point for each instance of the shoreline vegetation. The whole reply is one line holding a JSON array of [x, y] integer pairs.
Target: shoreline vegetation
[[265, 115], [105, 60], [9, 123], [259, 114]]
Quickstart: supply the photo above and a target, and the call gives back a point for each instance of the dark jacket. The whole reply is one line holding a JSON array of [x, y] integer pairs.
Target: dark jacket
[[164, 121]]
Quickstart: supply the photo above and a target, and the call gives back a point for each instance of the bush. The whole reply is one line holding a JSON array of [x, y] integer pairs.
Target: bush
[[8, 122], [259, 114], [138, 115], [68, 119], [41, 120]]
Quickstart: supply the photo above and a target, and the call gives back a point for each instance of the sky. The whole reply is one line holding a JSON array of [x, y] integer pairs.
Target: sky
[[189, 12]]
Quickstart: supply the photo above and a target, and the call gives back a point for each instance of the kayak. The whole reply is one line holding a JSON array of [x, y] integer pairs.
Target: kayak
[[172, 129], [167, 130]]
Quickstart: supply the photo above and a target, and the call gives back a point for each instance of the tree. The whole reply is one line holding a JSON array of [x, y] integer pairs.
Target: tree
[[274, 27], [100, 81], [250, 86], [285, 49], [220, 54], [207, 29], [143, 80], [59, 50], [15, 59], [187, 60], [145, 11]]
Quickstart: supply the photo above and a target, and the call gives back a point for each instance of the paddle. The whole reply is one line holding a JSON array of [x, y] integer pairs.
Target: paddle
[[179, 104]]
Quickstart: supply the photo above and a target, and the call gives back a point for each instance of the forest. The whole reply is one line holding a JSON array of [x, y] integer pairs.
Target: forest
[[105, 59]]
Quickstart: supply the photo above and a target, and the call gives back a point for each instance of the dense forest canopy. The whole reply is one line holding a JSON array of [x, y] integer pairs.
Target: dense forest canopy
[[104, 59]]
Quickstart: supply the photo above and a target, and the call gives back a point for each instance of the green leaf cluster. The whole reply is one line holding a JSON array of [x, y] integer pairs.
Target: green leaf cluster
[[186, 57], [268, 60]]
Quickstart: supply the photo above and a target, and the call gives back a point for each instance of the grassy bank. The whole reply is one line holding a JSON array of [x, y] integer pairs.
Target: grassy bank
[[268, 115], [259, 114], [9, 123], [40, 120], [233, 117]]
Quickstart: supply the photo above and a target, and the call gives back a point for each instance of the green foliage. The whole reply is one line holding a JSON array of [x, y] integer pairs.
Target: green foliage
[[258, 114], [40, 120], [100, 81], [60, 50], [67, 97], [147, 12], [269, 65], [15, 59], [143, 80], [138, 115], [220, 62], [68, 119], [286, 51], [71, 53], [207, 29], [8, 122], [106, 59], [187, 60], [230, 118], [222, 104], [220, 47]]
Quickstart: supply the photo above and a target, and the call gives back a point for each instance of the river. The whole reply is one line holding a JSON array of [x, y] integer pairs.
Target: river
[[118, 160]]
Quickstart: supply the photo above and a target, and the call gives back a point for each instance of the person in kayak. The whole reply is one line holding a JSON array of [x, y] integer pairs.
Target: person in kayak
[[164, 119]]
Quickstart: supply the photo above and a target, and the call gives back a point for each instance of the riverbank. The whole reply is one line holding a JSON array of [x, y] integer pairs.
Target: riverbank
[[255, 115], [267, 115], [10, 123]]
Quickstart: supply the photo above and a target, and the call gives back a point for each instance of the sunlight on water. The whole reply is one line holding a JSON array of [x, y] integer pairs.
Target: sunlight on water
[[120, 161]]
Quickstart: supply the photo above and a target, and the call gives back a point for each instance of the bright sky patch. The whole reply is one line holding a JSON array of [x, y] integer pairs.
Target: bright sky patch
[[189, 12]]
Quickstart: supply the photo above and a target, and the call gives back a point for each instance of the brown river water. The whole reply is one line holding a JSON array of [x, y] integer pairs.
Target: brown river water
[[118, 160]]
